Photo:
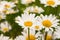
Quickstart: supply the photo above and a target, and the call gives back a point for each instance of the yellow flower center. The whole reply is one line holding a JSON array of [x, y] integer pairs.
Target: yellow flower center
[[47, 23], [37, 27], [32, 37], [7, 6], [5, 11], [36, 10], [49, 37], [28, 1], [5, 29], [50, 3], [28, 23]]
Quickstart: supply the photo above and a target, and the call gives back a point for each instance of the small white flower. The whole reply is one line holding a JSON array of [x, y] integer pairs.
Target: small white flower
[[48, 22], [27, 1], [5, 27], [37, 25], [2, 37], [7, 4], [34, 9], [6, 8], [9, 11], [52, 3], [26, 20]]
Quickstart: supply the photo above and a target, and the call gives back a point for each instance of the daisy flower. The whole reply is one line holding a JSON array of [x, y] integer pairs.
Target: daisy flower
[[7, 4], [9, 11], [26, 20], [5, 27], [37, 25], [2, 37], [48, 22], [27, 1], [7, 8], [34, 9], [52, 3], [32, 35]]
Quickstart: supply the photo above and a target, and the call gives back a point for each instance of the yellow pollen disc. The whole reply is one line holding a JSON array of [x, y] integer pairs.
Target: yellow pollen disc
[[6, 11], [28, 23], [47, 23], [36, 10], [5, 29], [49, 37], [7, 6], [28, 1], [32, 37], [37, 27], [50, 3]]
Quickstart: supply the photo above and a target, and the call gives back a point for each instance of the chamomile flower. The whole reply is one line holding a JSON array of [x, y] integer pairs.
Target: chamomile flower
[[5, 27], [9, 11], [48, 22], [7, 7], [32, 35], [52, 3], [34, 9], [7, 4], [26, 20], [37, 25], [27, 1], [2, 37]]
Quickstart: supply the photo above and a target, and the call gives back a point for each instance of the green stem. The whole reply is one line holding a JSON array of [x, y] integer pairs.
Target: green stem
[[28, 33], [45, 35], [52, 35]]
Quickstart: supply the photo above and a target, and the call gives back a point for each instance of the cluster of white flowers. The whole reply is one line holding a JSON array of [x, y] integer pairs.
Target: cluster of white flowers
[[33, 9], [52, 3], [47, 22], [35, 27], [6, 8]]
